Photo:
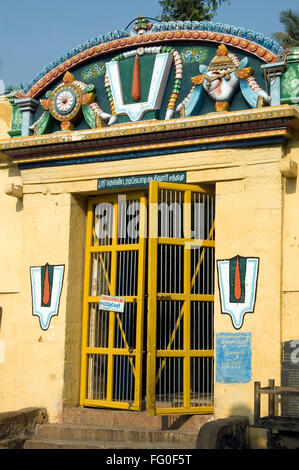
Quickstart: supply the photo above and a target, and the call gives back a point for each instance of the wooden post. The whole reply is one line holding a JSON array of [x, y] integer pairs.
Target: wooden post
[[257, 402], [271, 398]]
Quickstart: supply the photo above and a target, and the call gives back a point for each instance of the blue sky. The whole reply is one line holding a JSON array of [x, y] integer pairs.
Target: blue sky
[[36, 32]]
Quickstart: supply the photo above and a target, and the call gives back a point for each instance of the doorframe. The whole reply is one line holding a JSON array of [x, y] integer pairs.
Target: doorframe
[[148, 217]]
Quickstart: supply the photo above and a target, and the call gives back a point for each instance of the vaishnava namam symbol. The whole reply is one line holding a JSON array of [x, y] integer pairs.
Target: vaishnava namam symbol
[[46, 285], [237, 278]]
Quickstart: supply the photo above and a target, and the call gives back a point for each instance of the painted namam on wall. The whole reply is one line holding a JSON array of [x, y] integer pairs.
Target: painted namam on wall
[[237, 279], [46, 286]]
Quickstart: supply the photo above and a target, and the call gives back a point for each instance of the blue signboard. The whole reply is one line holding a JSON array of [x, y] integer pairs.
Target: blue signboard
[[233, 358], [137, 181]]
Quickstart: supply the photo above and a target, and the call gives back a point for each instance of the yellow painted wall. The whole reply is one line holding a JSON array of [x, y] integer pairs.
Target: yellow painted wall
[[11, 223], [248, 223], [256, 215], [38, 368], [290, 286], [38, 361], [5, 117], [41, 368], [11, 233]]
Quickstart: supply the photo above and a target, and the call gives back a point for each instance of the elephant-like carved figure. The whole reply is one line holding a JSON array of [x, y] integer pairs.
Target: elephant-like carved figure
[[220, 81]]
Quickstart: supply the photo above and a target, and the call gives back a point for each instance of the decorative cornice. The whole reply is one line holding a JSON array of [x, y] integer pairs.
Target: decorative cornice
[[170, 147], [254, 141], [154, 136], [152, 126], [247, 40]]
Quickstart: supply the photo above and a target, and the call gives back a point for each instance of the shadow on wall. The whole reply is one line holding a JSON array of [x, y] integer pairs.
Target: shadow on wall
[[226, 433], [256, 438], [241, 410], [291, 185], [291, 149], [14, 172]]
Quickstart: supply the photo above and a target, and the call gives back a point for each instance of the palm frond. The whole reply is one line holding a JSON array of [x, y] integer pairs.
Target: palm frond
[[289, 38]]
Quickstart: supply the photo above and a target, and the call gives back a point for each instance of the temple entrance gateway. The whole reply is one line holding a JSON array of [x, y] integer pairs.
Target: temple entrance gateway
[[148, 300]]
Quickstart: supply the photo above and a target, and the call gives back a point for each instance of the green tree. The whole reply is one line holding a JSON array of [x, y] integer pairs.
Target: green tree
[[289, 38], [193, 10]]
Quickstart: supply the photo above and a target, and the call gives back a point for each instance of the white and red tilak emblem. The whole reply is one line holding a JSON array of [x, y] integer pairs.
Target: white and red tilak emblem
[[237, 278], [46, 285]]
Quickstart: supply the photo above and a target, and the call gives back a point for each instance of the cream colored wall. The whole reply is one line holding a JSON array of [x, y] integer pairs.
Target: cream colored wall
[[290, 286], [42, 368], [259, 216], [51, 218], [11, 225], [38, 368], [249, 223], [5, 117], [38, 365], [10, 252]]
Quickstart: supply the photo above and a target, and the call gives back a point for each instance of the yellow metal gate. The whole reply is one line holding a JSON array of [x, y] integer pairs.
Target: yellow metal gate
[[112, 342], [181, 296], [179, 307]]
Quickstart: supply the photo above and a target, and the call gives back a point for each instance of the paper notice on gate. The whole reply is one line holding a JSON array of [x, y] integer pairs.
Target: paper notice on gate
[[112, 303]]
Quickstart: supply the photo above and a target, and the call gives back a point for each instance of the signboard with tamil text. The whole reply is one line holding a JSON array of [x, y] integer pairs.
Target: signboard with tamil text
[[233, 358], [138, 181]]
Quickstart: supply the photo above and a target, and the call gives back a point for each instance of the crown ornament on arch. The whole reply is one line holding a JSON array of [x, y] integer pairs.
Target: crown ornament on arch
[[142, 25]]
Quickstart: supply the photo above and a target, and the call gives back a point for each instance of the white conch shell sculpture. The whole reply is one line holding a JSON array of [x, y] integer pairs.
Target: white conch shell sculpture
[[220, 81]]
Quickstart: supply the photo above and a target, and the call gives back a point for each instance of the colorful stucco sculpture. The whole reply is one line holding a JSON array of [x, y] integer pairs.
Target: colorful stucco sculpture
[[220, 81], [144, 74]]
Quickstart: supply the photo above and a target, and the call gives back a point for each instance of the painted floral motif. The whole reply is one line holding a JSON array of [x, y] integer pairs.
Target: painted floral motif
[[17, 122], [194, 54], [290, 84], [65, 101], [93, 71]]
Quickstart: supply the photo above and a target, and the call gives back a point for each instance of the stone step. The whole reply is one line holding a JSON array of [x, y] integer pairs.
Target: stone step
[[98, 428], [133, 419], [100, 433], [72, 444]]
